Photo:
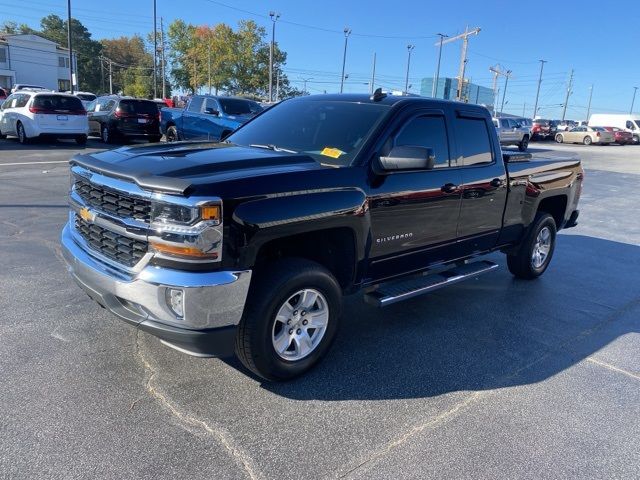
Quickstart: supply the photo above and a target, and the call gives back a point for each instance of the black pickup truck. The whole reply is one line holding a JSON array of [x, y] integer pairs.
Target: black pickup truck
[[249, 245]]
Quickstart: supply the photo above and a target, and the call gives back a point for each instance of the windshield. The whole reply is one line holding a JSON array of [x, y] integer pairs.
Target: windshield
[[598, 129], [331, 132], [238, 106], [57, 103], [541, 122], [86, 96], [637, 122], [138, 107]]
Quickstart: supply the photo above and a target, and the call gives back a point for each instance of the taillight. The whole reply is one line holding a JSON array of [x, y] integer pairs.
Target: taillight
[[118, 113], [37, 110], [597, 134]]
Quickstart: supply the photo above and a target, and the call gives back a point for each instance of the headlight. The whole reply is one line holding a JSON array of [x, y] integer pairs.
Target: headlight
[[171, 213]]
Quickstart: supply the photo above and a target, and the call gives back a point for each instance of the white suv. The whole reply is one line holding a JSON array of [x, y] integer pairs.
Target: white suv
[[31, 114]]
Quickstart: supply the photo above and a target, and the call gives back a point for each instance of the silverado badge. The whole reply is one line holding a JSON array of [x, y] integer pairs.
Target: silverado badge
[[87, 215]]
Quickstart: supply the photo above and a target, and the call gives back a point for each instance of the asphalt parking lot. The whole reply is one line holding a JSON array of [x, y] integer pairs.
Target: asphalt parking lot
[[492, 378]]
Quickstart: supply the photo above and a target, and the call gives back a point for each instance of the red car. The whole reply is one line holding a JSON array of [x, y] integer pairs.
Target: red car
[[3, 94], [621, 137]]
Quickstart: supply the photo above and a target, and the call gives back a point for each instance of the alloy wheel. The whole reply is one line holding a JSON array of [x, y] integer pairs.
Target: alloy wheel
[[541, 248]]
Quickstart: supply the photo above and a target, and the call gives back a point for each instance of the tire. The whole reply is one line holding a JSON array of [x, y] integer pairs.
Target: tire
[[559, 138], [587, 140], [105, 134], [172, 134], [155, 139], [81, 139], [524, 144], [274, 291], [22, 135], [530, 261], [636, 139]]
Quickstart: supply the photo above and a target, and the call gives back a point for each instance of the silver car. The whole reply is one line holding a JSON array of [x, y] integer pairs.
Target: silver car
[[511, 132], [586, 135]]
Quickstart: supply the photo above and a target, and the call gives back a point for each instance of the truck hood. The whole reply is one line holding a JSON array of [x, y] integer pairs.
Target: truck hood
[[176, 168]]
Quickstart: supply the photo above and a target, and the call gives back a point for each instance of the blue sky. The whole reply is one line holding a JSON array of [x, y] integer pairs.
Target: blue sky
[[599, 40]]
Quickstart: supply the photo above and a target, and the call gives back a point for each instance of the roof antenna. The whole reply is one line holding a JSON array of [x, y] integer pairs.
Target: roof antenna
[[378, 95]]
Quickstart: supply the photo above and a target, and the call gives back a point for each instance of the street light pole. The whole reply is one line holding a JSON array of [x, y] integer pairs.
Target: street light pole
[[274, 17], [504, 92], [69, 46], [589, 107], [347, 32], [635, 89], [373, 73], [535, 107], [434, 90], [155, 53], [406, 81]]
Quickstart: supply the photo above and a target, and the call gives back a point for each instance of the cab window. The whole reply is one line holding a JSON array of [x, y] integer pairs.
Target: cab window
[[472, 138], [429, 132]]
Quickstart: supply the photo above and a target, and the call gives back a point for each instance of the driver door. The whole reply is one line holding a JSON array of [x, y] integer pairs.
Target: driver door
[[414, 214]]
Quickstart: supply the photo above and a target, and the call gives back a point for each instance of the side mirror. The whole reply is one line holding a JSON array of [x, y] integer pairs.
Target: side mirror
[[211, 111], [408, 158]]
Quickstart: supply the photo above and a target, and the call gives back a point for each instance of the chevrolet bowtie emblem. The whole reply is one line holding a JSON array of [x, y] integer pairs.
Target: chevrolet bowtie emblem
[[87, 215]]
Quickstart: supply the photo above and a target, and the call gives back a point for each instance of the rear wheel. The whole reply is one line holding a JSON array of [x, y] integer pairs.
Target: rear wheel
[[559, 138], [535, 251], [290, 319], [587, 140], [81, 139], [172, 134], [22, 135]]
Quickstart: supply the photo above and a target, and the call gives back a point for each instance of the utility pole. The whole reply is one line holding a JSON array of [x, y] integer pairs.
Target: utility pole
[[504, 92], [305, 80], [209, 68], [635, 89], [164, 83], [277, 85], [524, 107], [347, 32], [436, 80], [535, 107], [155, 53], [69, 46], [566, 100], [195, 76], [274, 18], [406, 81], [463, 57], [589, 107], [373, 73], [110, 77], [101, 74]]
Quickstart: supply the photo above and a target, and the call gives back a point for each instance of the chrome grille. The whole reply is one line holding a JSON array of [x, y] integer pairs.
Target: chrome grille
[[112, 201], [116, 247]]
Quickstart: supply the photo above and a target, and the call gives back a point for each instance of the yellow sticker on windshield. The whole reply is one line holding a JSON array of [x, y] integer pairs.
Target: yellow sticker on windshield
[[332, 152]]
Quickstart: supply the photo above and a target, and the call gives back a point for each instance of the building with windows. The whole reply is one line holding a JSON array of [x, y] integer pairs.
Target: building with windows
[[34, 60], [447, 88]]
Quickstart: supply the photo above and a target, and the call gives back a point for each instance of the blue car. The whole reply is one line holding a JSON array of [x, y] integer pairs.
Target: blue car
[[207, 117]]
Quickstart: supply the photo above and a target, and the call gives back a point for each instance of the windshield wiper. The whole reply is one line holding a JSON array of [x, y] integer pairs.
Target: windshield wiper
[[273, 147]]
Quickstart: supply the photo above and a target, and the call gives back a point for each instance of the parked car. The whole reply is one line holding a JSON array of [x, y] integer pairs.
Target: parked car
[[114, 117], [542, 129], [251, 244], [620, 136], [510, 132], [586, 135], [85, 97], [628, 123], [565, 125], [25, 86], [207, 117], [528, 123], [30, 114]]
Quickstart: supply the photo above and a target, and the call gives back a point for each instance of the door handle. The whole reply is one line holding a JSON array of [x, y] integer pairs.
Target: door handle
[[449, 188], [496, 182]]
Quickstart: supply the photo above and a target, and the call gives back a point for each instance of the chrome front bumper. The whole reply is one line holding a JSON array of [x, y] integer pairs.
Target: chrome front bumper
[[213, 302]]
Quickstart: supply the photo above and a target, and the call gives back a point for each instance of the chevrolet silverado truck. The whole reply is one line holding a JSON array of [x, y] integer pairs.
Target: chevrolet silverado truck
[[206, 117], [248, 245]]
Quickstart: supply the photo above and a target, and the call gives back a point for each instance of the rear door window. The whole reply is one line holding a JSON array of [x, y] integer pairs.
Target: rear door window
[[472, 138], [235, 106], [21, 100], [195, 105], [504, 123], [57, 103], [429, 132]]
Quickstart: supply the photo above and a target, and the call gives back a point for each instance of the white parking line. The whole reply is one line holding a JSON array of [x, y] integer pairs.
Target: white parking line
[[33, 163]]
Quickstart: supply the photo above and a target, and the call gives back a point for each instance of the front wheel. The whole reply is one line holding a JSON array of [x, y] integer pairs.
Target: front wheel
[[559, 138], [534, 253], [290, 319], [524, 144]]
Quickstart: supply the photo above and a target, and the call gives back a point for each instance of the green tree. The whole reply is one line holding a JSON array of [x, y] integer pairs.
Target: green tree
[[181, 38], [132, 65], [87, 50]]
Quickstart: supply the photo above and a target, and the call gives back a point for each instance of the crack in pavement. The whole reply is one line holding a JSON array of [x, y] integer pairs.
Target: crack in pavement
[[239, 455]]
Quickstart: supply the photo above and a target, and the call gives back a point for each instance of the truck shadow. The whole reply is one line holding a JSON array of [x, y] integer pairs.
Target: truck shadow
[[491, 332]]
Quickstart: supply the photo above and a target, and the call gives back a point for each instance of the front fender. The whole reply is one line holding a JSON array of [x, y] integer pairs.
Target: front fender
[[285, 215]]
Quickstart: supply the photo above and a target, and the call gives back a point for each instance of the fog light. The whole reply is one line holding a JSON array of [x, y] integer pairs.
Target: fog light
[[175, 301]]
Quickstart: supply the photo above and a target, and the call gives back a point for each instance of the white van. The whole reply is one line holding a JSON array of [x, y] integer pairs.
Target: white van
[[627, 122]]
